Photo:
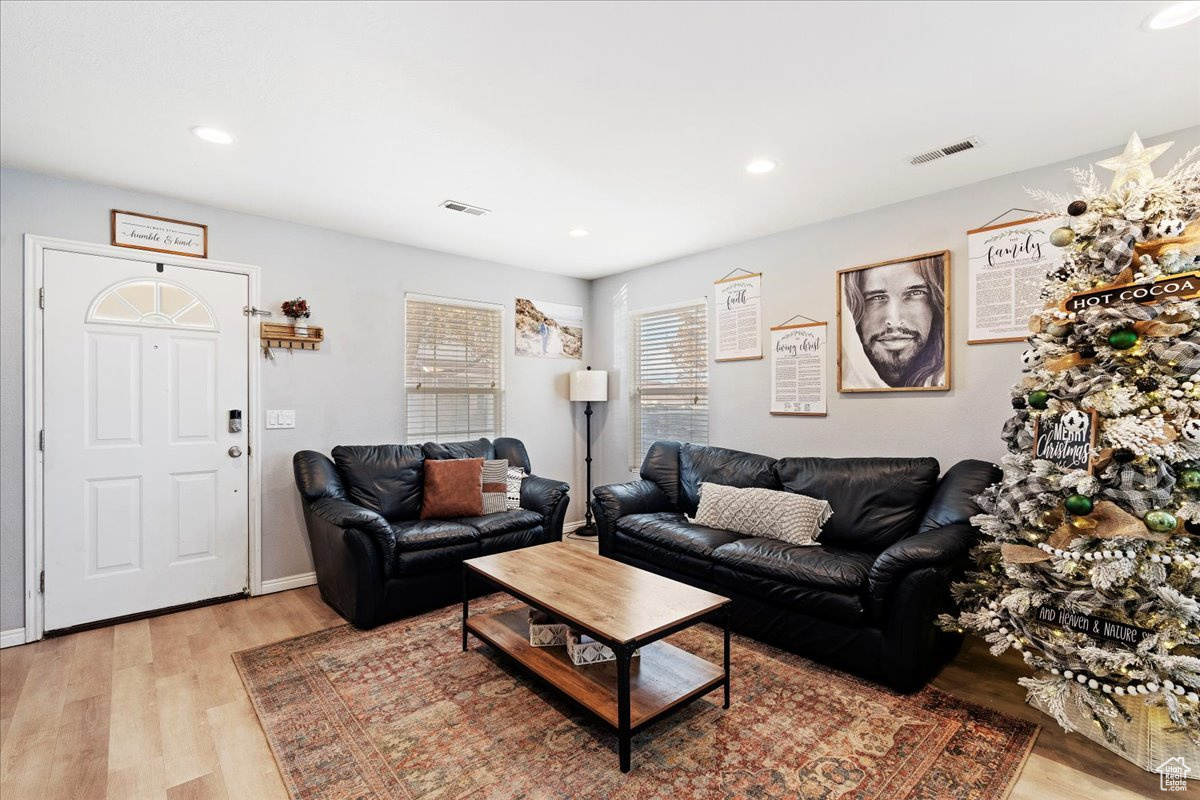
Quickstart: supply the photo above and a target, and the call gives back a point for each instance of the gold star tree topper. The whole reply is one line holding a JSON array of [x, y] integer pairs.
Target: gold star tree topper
[[1133, 166]]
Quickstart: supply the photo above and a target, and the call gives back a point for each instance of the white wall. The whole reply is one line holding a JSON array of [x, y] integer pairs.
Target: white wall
[[350, 392], [799, 268]]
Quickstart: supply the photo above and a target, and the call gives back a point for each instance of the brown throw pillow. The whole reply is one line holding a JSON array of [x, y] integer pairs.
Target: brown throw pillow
[[453, 488]]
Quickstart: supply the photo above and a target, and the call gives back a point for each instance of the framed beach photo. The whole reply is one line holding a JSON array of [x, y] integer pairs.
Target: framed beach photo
[[894, 325]]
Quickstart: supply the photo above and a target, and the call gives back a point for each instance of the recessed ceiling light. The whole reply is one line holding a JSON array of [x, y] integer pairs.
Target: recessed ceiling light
[[214, 135], [759, 166], [1172, 16], [577, 233]]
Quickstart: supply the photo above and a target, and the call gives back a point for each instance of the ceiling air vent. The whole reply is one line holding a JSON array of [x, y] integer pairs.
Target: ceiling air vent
[[948, 150], [465, 208]]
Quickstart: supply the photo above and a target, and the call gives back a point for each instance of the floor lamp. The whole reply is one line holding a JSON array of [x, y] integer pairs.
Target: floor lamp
[[588, 386]]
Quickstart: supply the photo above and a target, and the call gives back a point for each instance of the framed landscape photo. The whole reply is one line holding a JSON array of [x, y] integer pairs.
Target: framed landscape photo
[[159, 234], [894, 325]]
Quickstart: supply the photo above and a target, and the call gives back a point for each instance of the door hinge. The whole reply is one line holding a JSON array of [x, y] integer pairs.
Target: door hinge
[[42, 440], [42, 297], [42, 582]]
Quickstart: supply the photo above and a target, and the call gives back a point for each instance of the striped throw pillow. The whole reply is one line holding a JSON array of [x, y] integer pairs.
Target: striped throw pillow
[[495, 486]]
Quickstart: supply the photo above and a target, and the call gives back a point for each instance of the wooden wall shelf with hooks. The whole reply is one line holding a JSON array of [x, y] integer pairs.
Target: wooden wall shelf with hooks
[[273, 334]]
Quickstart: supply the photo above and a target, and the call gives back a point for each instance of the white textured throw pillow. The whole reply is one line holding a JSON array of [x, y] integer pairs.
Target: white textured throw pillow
[[786, 516], [516, 475]]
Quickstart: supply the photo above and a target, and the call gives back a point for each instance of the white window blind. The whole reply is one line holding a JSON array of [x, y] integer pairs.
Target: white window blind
[[453, 370], [670, 377]]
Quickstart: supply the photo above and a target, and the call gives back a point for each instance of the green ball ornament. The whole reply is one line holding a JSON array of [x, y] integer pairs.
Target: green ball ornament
[[1061, 237], [1079, 505], [1160, 521], [1188, 479], [1123, 339], [1039, 399]]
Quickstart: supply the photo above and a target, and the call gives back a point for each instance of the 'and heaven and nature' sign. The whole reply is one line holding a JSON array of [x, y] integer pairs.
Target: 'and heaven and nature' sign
[[1066, 439], [1092, 626]]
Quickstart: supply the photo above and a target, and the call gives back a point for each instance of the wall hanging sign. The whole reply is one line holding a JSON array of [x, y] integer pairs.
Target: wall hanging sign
[[1092, 626], [1066, 439], [1006, 267], [894, 325], [799, 355], [739, 317], [159, 234]]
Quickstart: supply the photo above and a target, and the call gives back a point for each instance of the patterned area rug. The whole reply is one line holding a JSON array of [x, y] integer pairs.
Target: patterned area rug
[[402, 712]]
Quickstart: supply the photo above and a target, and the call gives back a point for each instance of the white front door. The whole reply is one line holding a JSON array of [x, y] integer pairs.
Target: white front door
[[146, 504]]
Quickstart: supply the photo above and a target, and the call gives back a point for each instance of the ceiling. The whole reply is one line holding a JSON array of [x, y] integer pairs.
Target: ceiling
[[632, 120]]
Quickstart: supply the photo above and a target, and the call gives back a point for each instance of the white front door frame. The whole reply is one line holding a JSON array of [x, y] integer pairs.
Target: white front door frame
[[35, 248]]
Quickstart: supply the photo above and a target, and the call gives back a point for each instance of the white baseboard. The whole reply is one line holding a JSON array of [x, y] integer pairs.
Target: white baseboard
[[572, 526], [11, 637], [290, 582]]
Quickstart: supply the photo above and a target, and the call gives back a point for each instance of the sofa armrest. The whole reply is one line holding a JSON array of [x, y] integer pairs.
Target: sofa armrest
[[348, 562], [345, 514], [938, 547], [548, 498], [617, 500]]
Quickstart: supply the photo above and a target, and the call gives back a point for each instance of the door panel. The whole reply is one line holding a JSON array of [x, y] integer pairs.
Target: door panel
[[144, 506]]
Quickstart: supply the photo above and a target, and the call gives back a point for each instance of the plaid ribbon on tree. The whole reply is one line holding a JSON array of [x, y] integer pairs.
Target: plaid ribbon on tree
[[1075, 385], [1115, 246], [1016, 434], [1178, 358], [1138, 491], [1011, 497]]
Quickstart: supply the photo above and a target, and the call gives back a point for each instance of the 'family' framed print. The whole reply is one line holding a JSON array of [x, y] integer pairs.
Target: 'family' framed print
[[159, 234], [894, 325]]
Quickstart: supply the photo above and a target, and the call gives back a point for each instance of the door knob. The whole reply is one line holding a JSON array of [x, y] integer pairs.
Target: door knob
[[235, 451]]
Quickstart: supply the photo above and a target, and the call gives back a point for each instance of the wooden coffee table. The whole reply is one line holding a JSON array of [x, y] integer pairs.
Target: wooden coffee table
[[623, 607]]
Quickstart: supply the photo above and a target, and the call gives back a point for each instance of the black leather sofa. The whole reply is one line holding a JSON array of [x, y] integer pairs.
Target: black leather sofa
[[375, 559], [865, 600]]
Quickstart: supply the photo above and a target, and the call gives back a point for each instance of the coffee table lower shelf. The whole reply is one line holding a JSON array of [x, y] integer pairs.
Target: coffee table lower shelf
[[662, 678]]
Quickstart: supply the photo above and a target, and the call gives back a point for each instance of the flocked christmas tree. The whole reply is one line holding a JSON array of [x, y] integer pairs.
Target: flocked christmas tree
[[1090, 557]]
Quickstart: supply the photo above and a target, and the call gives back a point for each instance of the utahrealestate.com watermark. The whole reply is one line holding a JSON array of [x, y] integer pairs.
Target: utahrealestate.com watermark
[[1172, 775]]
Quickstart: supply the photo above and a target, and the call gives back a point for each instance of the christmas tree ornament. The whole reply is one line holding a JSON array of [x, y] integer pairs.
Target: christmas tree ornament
[[1061, 237], [1031, 358], [1191, 430], [1087, 351], [1133, 165], [1122, 339], [1192, 527], [1079, 504], [1188, 479], [1160, 521], [1019, 403], [1039, 399], [1146, 384], [1077, 208], [1123, 455]]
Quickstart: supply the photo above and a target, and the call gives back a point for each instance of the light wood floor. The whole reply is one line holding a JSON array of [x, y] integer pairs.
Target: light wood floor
[[155, 709]]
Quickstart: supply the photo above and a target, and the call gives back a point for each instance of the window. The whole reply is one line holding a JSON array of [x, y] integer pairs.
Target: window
[[157, 303], [670, 377], [453, 370]]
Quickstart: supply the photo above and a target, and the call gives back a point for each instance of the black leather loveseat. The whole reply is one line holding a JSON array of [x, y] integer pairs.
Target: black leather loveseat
[[864, 600], [375, 559]]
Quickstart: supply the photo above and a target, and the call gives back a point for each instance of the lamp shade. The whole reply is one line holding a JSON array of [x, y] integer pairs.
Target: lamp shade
[[589, 385]]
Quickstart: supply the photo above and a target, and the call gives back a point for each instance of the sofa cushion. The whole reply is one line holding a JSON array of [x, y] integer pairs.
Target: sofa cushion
[[821, 567], [876, 501], [672, 530], [440, 451], [661, 467], [514, 540], [495, 485], [503, 522], [431, 544], [698, 464], [386, 478], [822, 581]]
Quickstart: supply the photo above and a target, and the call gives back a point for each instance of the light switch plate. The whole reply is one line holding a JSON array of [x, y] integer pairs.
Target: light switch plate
[[281, 419]]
